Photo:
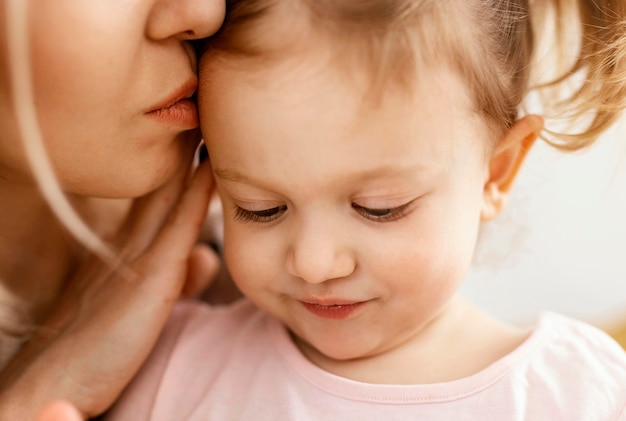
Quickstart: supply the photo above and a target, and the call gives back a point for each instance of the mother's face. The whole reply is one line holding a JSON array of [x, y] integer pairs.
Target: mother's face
[[105, 75]]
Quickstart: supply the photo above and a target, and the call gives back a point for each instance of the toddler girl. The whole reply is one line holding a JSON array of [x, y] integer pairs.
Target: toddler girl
[[357, 145]]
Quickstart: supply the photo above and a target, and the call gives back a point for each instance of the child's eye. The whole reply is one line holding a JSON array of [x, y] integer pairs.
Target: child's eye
[[383, 214], [259, 216]]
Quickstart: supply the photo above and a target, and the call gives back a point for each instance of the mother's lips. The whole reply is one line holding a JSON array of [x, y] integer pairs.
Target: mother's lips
[[186, 91], [178, 109]]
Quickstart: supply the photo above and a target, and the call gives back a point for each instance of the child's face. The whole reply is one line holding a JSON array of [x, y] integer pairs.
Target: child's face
[[353, 224]]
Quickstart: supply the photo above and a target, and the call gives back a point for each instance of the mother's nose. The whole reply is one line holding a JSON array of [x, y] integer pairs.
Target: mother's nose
[[185, 19], [319, 253]]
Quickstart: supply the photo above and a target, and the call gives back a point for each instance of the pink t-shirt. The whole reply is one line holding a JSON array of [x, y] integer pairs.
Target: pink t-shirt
[[238, 363]]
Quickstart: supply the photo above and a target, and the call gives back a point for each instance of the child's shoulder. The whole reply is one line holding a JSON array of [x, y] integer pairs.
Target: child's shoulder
[[564, 358], [571, 339], [199, 343]]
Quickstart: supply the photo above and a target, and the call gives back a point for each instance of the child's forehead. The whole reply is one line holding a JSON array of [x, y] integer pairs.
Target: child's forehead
[[317, 118], [306, 85]]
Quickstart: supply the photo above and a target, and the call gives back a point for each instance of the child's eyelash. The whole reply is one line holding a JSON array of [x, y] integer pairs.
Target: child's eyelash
[[260, 216], [384, 214], [377, 215]]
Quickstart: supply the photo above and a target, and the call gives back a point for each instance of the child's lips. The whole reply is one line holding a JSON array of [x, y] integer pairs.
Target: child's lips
[[333, 309]]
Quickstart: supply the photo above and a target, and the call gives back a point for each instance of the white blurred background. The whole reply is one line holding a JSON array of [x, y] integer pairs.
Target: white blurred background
[[560, 244]]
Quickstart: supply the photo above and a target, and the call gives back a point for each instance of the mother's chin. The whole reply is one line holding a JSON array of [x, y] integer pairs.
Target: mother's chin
[[132, 172]]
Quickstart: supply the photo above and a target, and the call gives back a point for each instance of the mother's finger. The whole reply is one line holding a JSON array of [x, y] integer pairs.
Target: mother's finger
[[180, 232], [204, 264]]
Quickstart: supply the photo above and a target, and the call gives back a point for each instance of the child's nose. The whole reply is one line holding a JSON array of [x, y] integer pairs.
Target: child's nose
[[318, 253]]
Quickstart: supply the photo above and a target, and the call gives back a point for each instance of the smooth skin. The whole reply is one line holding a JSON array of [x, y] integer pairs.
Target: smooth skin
[[99, 67]]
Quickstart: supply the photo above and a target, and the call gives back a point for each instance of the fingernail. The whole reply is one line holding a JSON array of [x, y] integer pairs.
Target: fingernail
[[203, 153]]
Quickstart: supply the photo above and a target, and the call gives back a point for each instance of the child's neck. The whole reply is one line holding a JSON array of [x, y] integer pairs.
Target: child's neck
[[461, 341]]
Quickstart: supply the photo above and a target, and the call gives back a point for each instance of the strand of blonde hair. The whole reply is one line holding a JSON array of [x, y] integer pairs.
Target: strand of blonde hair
[[20, 72]]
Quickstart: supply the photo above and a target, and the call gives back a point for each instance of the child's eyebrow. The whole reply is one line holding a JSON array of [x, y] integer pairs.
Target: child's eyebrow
[[230, 175]]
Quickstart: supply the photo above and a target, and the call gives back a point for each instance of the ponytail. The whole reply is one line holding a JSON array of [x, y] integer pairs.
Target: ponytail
[[601, 96]]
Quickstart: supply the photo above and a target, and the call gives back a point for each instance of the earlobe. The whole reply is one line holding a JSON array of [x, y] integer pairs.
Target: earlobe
[[505, 163]]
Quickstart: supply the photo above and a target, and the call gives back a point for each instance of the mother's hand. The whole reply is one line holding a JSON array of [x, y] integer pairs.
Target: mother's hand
[[108, 319]]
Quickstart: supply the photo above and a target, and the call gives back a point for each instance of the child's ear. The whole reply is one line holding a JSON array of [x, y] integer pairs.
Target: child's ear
[[505, 162]]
